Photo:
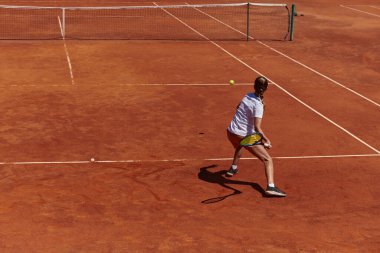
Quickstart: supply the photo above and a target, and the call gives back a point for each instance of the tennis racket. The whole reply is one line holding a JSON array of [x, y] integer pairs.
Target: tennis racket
[[252, 139]]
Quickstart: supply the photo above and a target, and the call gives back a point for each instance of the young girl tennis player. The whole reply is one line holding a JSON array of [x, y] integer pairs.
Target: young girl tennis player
[[247, 120]]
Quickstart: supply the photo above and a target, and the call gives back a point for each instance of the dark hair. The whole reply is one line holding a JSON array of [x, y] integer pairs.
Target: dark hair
[[261, 85]]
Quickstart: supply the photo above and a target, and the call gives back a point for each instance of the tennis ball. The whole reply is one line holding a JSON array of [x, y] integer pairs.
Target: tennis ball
[[232, 82], [92, 159]]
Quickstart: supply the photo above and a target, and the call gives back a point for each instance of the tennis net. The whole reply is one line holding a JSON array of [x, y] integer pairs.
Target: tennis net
[[240, 21]]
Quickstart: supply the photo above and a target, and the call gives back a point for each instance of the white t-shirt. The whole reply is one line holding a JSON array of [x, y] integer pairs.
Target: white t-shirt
[[243, 123]]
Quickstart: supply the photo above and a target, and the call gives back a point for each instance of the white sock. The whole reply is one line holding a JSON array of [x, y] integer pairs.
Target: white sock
[[271, 185], [234, 166]]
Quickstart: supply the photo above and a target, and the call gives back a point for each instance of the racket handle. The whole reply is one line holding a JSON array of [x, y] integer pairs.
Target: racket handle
[[267, 146]]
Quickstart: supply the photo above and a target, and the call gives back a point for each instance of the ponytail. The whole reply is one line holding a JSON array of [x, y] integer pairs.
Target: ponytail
[[260, 86]]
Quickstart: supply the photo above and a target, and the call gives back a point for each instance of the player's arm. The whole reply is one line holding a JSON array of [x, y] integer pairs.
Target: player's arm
[[258, 128]]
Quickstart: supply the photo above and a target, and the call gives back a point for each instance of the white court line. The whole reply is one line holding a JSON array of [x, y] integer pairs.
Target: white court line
[[187, 159], [23, 15], [131, 84], [189, 84], [277, 85], [119, 16], [292, 59], [36, 85], [102, 1], [356, 4], [320, 74], [365, 5], [369, 13], [67, 52]]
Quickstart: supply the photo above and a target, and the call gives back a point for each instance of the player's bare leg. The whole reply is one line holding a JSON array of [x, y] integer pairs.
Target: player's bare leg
[[235, 141], [260, 152]]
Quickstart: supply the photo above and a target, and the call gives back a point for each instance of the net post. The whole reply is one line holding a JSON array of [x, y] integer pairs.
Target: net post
[[248, 21], [293, 14], [63, 23]]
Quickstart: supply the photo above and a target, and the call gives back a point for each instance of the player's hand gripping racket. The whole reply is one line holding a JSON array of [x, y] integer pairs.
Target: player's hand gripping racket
[[252, 139]]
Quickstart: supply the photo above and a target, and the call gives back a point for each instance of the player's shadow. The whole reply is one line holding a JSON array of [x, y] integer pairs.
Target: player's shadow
[[219, 178]]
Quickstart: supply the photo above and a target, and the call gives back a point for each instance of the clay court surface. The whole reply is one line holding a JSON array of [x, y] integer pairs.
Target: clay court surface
[[154, 116]]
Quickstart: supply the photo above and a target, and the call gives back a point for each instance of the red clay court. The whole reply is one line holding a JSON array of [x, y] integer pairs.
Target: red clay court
[[153, 113]]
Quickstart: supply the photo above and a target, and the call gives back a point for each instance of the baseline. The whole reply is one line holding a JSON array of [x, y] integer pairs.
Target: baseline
[[186, 159]]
